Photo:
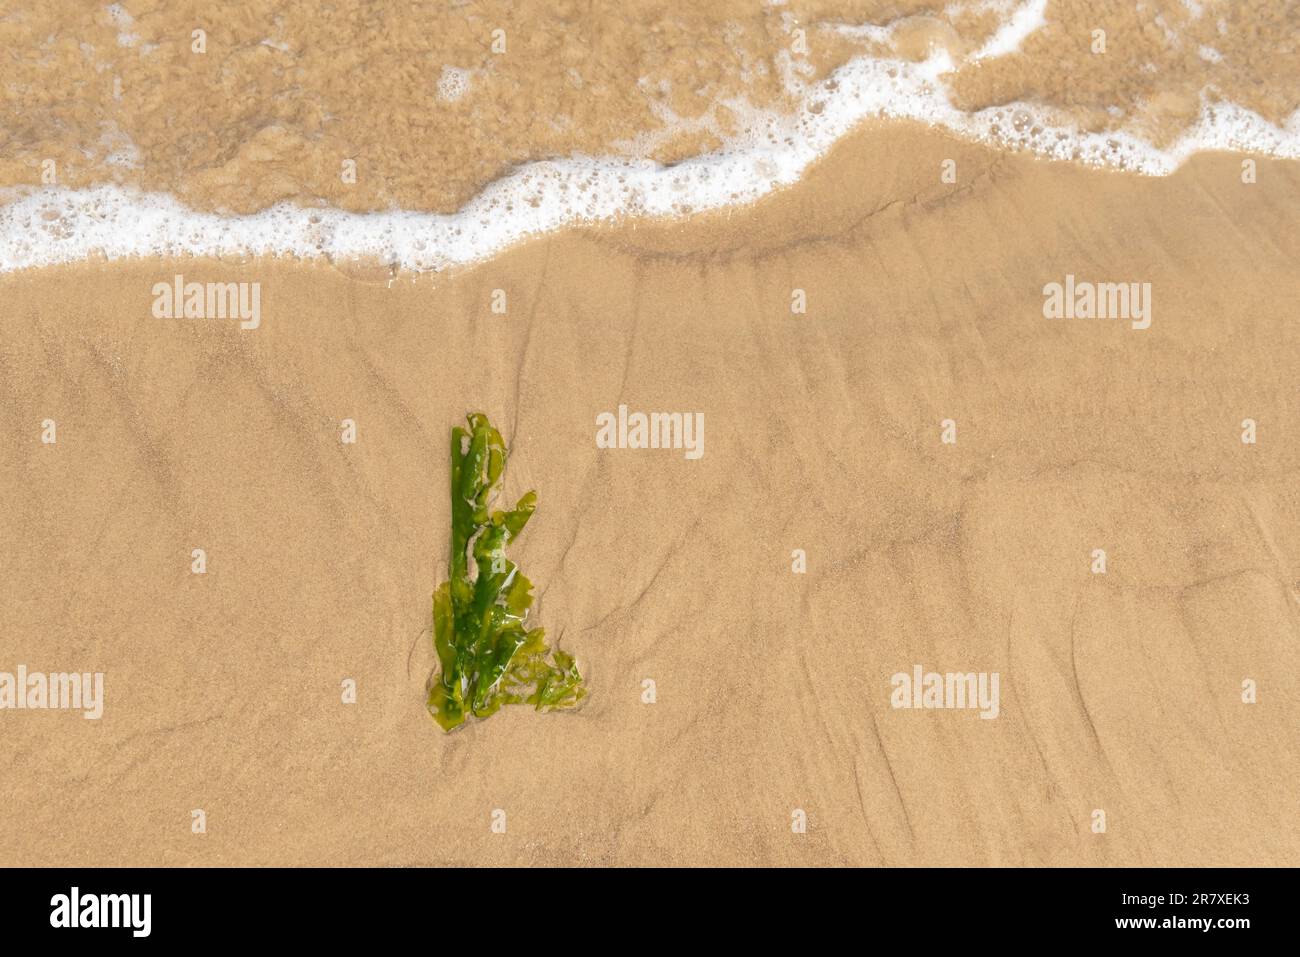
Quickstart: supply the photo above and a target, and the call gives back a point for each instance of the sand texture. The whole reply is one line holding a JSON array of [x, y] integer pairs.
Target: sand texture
[[1119, 691]]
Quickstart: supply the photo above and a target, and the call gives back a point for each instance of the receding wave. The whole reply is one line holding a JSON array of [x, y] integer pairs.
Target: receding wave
[[762, 149]]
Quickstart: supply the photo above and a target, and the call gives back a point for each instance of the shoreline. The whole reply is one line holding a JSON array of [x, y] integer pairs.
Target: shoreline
[[56, 226], [422, 115]]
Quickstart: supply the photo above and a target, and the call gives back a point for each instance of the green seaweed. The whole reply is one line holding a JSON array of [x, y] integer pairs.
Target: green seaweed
[[487, 654]]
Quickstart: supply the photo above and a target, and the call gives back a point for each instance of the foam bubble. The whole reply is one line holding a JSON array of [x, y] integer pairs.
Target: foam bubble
[[120, 18], [453, 83]]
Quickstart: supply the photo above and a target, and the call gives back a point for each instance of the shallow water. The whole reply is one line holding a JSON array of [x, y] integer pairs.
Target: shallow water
[[468, 126]]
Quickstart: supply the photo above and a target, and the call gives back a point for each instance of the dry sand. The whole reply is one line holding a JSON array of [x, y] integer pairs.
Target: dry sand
[[1120, 692]]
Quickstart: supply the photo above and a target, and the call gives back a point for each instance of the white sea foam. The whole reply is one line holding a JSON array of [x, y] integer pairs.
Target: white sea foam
[[56, 225], [119, 17], [452, 84], [1027, 18]]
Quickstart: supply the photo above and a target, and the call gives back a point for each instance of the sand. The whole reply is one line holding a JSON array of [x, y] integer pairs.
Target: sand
[[1120, 692]]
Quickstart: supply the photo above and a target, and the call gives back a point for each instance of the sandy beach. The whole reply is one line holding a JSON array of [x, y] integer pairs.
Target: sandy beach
[[1121, 690]]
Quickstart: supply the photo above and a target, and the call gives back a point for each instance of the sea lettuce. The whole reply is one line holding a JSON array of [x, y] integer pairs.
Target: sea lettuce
[[487, 654]]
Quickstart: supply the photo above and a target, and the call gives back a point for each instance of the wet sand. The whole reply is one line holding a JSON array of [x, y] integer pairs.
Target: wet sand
[[1120, 692]]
